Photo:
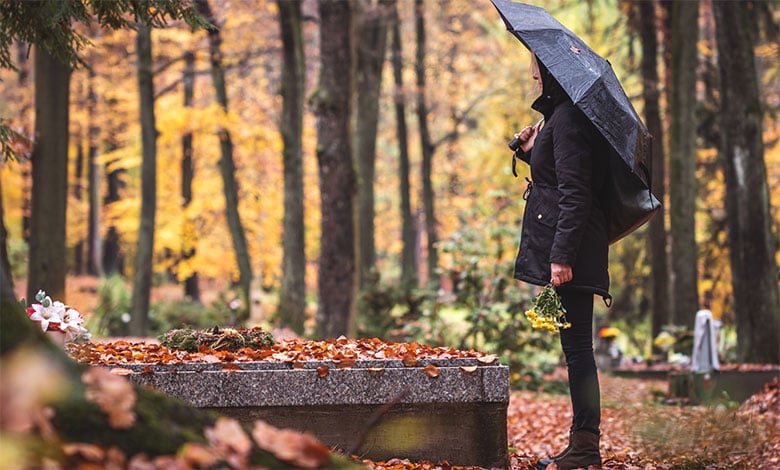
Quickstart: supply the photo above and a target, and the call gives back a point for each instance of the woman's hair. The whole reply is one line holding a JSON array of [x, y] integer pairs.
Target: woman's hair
[[550, 86]]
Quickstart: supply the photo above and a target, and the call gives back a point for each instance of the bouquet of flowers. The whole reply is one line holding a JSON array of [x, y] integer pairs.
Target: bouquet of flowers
[[547, 312], [56, 316]]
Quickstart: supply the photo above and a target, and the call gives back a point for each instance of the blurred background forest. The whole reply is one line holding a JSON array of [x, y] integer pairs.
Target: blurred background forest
[[396, 213]]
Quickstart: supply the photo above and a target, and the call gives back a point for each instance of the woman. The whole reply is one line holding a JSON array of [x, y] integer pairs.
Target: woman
[[564, 242]]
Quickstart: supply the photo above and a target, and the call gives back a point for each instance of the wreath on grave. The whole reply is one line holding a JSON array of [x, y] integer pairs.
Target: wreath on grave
[[218, 339]]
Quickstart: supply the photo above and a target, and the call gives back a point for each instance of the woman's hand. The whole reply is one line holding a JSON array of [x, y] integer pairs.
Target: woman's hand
[[560, 274], [527, 137]]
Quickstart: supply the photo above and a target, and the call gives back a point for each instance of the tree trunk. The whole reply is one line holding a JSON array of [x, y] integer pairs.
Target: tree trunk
[[372, 40], [142, 276], [113, 259], [657, 229], [333, 107], [754, 273], [94, 242], [189, 239], [292, 298], [78, 194], [409, 265], [5, 261], [226, 164], [427, 149], [49, 177], [23, 67], [682, 163]]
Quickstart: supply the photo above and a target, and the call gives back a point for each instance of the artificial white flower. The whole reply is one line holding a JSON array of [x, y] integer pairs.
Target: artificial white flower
[[71, 323], [51, 314]]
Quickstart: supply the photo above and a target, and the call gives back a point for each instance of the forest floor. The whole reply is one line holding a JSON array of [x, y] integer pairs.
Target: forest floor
[[638, 430]]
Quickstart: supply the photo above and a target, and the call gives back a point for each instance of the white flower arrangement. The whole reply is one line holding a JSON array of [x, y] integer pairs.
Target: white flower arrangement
[[56, 316]]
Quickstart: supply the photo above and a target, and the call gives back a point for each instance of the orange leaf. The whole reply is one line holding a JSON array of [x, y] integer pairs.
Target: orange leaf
[[468, 369], [376, 370], [147, 370], [431, 371], [346, 363], [231, 366], [410, 360], [121, 371], [489, 359], [322, 371]]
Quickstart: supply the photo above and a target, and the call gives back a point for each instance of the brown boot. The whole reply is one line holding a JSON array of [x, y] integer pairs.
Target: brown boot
[[543, 463], [583, 452]]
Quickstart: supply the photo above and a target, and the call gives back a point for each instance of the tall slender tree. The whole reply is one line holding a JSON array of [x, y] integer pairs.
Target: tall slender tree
[[227, 166], [336, 282], [142, 275], [46, 268], [682, 161], [754, 273], [94, 179], [409, 260], [5, 261], [292, 298], [191, 288], [427, 147], [372, 22], [657, 229]]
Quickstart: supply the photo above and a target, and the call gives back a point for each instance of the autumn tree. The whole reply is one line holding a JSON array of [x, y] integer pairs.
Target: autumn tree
[[226, 164], [657, 228], [372, 22], [751, 242], [427, 147], [292, 296], [333, 107], [408, 233], [142, 274], [46, 267], [191, 288], [682, 163]]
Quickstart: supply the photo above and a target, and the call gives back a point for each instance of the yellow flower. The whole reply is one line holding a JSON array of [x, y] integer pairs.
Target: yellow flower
[[547, 312]]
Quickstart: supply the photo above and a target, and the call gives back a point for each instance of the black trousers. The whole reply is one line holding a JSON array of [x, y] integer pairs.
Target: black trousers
[[577, 344]]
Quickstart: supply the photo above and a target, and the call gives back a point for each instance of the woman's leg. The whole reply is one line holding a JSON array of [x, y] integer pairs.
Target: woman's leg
[[577, 344]]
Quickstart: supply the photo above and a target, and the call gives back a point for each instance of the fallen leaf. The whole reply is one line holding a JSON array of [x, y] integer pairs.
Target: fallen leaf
[[431, 371], [346, 363], [489, 359], [410, 360], [121, 371], [468, 369], [322, 371], [376, 370], [197, 456], [231, 366]]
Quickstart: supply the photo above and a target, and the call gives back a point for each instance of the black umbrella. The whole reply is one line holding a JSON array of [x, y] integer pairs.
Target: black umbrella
[[591, 84]]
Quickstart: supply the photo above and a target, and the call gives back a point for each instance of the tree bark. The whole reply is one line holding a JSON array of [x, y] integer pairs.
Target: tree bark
[[409, 262], [94, 175], [5, 261], [78, 194], [142, 276], [427, 149], [226, 164], [657, 228], [682, 164], [372, 34], [292, 301], [333, 107], [754, 275], [47, 265], [189, 239]]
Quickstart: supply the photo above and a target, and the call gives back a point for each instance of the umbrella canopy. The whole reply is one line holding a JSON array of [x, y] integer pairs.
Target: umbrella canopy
[[585, 76]]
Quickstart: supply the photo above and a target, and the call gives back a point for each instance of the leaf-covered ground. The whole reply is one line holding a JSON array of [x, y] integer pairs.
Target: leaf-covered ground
[[637, 431]]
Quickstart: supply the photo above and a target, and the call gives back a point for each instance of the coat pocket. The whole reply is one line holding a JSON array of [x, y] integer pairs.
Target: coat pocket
[[541, 219]]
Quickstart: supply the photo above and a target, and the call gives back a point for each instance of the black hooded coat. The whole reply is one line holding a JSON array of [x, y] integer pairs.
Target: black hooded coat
[[564, 219]]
